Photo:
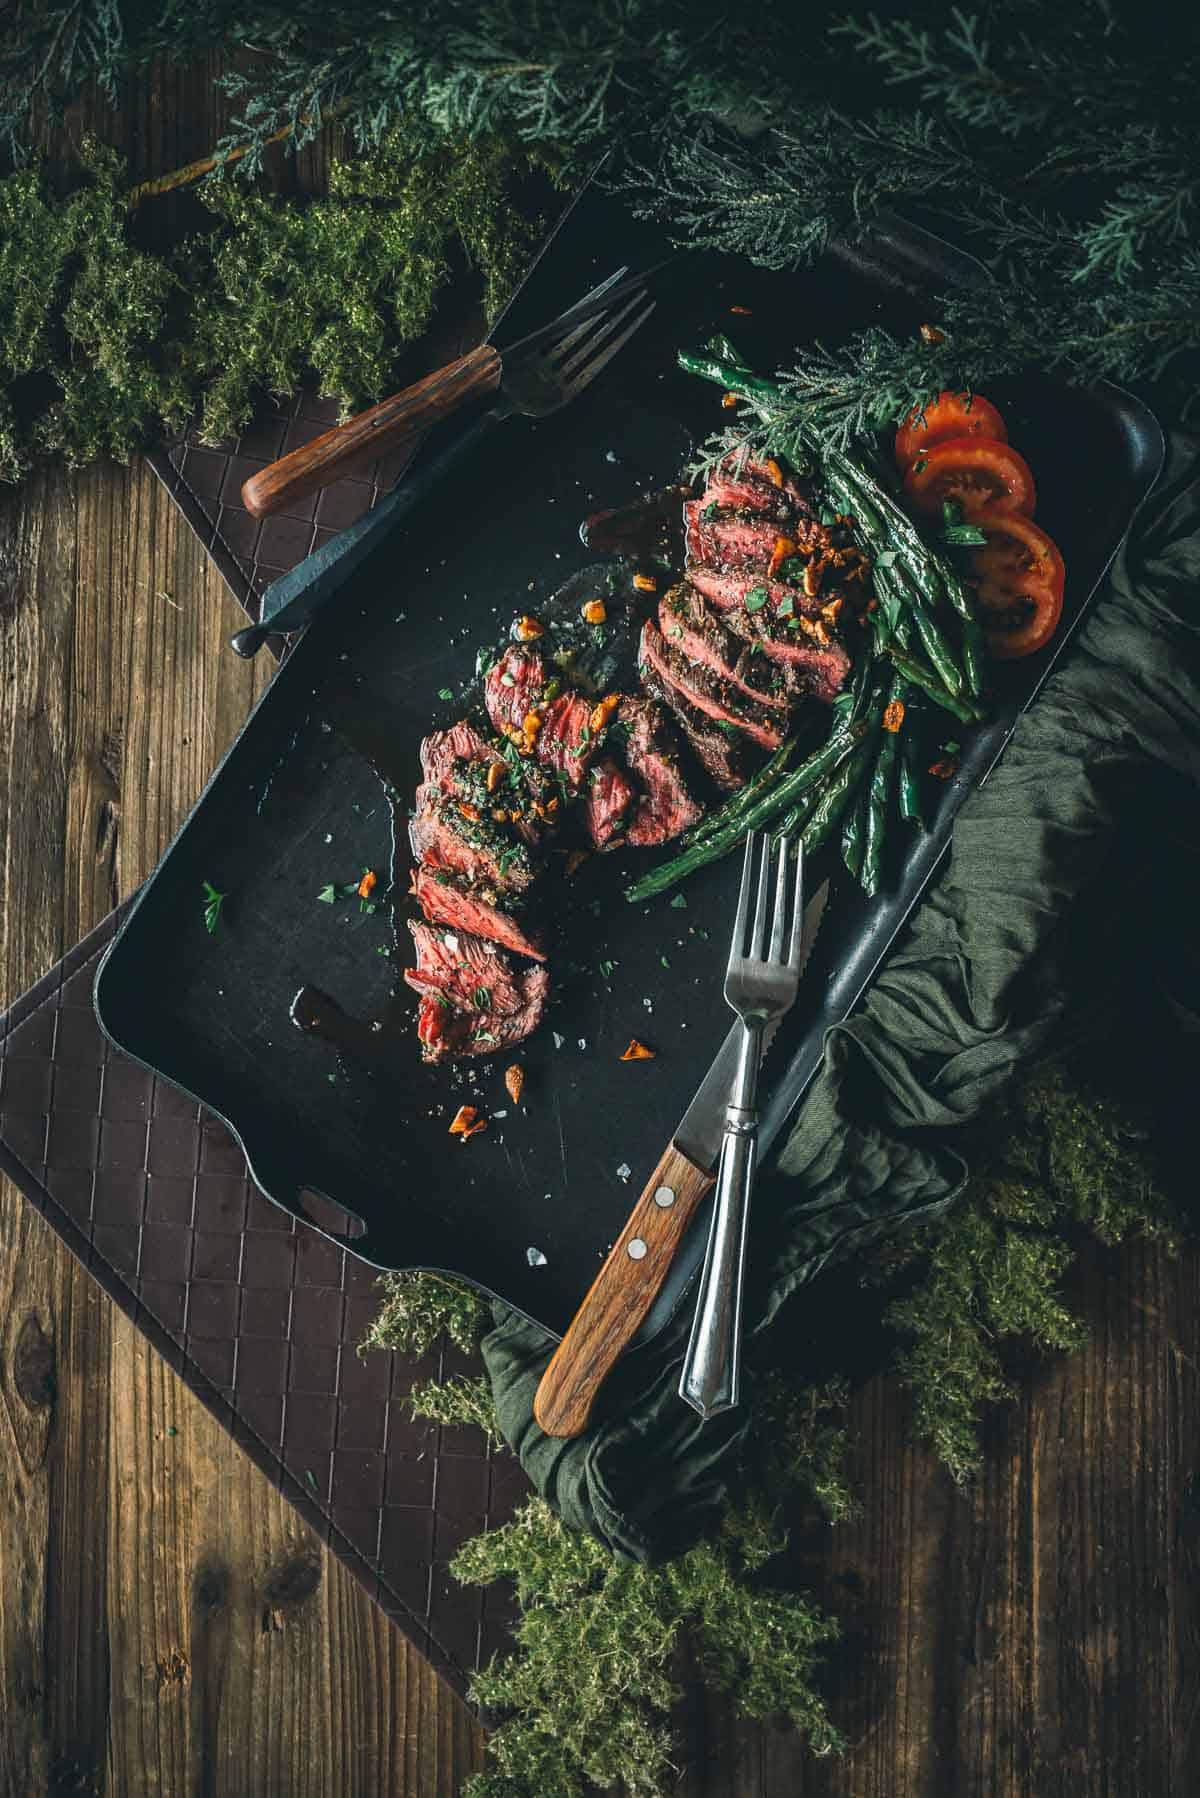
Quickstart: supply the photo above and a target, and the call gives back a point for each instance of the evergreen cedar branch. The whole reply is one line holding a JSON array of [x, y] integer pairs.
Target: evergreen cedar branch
[[1057, 143]]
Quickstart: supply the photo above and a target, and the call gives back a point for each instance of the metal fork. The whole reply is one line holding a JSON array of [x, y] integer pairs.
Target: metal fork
[[547, 370], [761, 982]]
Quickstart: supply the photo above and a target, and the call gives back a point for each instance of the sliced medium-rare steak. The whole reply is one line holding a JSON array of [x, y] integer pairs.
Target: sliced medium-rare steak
[[480, 911], [719, 748], [443, 750], [708, 692], [513, 688], [816, 660], [728, 540], [566, 739], [665, 806], [454, 835], [558, 732], [446, 1034], [469, 973], [690, 627], [608, 799], [727, 590], [473, 1000]]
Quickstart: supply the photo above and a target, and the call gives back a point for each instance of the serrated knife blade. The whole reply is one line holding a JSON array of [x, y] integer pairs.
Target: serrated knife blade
[[703, 1123]]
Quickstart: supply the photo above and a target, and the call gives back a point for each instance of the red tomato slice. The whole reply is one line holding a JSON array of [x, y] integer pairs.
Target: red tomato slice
[[974, 472], [1018, 578], [950, 415]]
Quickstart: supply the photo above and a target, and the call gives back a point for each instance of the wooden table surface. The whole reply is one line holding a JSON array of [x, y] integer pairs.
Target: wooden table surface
[[1037, 1635]]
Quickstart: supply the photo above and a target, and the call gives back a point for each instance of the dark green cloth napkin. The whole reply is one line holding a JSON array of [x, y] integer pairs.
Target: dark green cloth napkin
[[1094, 802]]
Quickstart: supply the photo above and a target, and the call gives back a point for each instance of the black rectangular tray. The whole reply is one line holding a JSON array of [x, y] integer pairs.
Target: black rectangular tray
[[359, 1146]]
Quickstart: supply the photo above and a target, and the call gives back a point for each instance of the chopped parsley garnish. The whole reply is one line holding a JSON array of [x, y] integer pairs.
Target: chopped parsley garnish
[[710, 512], [213, 901], [664, 961], [606, 968], [786, 607], [756, 599], [679, 902], [445, 693], [481, 999], [508, 856], [507, 679]]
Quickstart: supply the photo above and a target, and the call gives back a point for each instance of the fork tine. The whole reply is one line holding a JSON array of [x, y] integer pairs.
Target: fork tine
[[758, 939], [589, 373], [798, 908], [779, 917], [597, 329], [737, 945]]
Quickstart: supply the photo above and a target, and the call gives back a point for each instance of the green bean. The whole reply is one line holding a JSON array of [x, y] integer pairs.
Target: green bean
[[854, 834], [834, 797], [974, 656], [910, 771], [921, 676], [879, 795]]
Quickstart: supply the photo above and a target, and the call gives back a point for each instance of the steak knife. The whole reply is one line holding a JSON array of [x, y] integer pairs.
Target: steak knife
[[638, 1262]]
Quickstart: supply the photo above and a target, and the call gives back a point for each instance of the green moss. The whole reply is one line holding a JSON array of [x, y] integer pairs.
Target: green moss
[[1061, 1160], [275, 295], [588, 1691], [417, 1308], [457, 1401]]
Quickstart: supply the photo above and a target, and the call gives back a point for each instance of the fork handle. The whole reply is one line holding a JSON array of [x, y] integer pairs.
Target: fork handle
[[712, 1368], [364, 438]]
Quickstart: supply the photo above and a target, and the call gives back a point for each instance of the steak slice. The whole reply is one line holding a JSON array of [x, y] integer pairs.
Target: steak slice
[[726, 589], [727, 539], [443, 750], [817, 661], [707, 692], [447, 1033], [744, 471], [697, 633], [665, 807], [721, 752], [469, 973], [446, 899], [566, 742], [445, 836], [607, 803], [513, 687]]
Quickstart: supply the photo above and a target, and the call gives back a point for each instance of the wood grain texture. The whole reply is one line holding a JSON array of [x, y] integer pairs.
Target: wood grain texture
[[355, 445], [620, 1295]]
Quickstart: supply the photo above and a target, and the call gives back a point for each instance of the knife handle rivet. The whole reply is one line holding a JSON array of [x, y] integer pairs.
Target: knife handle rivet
[[664, 1196], [637, 1249]]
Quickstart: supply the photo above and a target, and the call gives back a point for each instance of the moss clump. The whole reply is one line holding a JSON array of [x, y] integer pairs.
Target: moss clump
[[129, 344], [457, 1401], [417, 1308], [588, 1691], [1061, 1161]]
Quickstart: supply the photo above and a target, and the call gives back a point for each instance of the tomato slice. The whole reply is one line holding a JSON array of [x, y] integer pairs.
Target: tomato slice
[[950, 415], [1018, 577], [974, 472]]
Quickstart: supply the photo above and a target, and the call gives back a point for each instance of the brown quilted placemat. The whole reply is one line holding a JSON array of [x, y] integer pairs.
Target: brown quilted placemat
[[259, 1315]]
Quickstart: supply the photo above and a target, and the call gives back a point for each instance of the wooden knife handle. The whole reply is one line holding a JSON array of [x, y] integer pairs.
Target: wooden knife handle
[[362, 440], [620, 1295]]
